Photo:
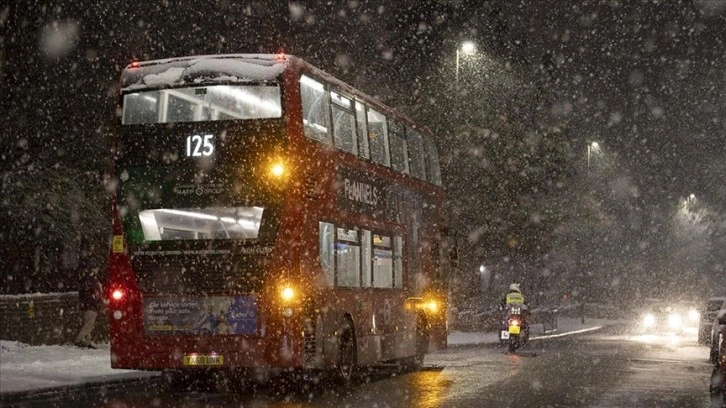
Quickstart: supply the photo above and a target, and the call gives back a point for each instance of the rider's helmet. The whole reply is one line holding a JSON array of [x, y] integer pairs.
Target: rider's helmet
[[514, 288]]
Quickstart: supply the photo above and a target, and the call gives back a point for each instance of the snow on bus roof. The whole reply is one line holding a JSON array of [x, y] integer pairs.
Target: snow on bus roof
[[205, 68], [229, 68]]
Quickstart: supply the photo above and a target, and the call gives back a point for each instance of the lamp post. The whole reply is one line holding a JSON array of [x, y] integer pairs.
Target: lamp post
[[590, 147], [484, 275], [466, 48]]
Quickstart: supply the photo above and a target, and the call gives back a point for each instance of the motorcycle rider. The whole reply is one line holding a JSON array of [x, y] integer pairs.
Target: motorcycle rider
[[513, 297]]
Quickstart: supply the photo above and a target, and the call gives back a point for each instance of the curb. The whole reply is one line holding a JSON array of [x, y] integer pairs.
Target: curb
[[23, 397]]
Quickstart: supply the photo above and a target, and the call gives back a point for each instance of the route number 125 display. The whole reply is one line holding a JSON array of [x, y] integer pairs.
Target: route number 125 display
[[200, 145]]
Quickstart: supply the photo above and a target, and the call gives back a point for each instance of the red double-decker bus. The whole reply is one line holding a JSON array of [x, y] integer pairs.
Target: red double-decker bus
[[268, 216]]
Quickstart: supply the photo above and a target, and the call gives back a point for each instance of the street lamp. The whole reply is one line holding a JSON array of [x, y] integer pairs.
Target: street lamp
[[690, 199], [484, 277], [467, 48], [594, 146]]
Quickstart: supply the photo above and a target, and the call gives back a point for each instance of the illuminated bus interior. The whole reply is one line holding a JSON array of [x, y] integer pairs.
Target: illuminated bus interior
[[201, 223], [366, 132], [360, 258], [199, 104]]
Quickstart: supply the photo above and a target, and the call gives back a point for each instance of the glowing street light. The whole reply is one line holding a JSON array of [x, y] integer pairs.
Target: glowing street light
[[689, 200], [467, 48], [594, 146], [484, 275]]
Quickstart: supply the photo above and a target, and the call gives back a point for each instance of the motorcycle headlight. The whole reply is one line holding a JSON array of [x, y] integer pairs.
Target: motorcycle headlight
[[693, 315], [648, 320]]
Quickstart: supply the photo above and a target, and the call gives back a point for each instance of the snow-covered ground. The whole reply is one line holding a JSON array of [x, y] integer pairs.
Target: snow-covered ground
[[26, 368]]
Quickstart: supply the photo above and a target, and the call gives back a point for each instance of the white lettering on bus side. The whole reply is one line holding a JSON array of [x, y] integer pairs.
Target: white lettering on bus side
[[190, 189], [361, 192]]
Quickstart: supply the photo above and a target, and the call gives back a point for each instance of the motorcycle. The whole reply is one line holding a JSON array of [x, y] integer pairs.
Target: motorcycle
[[514, 330]]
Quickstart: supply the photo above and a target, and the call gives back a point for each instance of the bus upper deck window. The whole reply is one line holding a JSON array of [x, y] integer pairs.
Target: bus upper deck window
[[378, 137], [315, 107], [201, 104], [344, 125]]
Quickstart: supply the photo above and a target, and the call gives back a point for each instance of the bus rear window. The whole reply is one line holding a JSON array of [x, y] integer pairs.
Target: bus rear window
[[165, 224], [201, 104]]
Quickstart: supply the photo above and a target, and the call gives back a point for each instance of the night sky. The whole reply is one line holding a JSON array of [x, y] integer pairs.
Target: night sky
[[645, 79]]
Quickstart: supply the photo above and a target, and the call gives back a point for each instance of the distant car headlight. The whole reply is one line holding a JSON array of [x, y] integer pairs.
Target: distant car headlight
[[674, 321], [648, 320], [693, 315]]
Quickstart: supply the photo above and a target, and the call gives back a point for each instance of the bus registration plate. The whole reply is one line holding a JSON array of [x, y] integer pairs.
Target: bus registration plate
[[202, 360]]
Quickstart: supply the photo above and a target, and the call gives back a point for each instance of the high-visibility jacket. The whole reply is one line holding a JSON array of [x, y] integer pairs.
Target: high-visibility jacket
[[514, 298]]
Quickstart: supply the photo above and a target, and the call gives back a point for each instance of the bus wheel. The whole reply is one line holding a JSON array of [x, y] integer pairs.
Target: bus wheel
[[346, 366], [422, 340], [421, 346]]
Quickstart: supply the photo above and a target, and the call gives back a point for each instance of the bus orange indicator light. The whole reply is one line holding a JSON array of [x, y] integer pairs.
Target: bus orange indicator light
[[277, 169], [431, 306], [287, 293]]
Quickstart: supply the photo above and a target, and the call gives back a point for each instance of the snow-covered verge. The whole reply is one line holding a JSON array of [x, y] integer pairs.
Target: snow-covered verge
[[26, 368]]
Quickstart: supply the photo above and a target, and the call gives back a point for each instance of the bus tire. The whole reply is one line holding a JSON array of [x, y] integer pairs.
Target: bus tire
[[345, 368], [422, 343], [422, 338], [421, 346]]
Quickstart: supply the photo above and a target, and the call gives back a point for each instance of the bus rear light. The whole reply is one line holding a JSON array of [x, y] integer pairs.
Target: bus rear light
[[117, 294]]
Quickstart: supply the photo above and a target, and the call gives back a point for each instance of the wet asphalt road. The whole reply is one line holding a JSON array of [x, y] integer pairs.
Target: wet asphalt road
[[609, 368]]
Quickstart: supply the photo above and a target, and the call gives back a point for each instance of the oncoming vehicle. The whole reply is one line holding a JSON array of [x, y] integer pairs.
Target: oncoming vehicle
[[718, 332], [708, 317], [669, 317], [718, 379], [270, 217]]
